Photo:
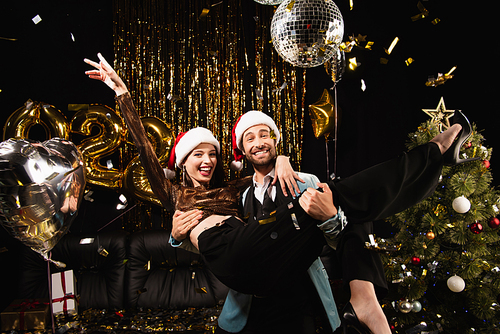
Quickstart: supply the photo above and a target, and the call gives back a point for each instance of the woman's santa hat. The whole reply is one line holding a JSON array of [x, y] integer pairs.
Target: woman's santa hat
[[246, 121], [185, 143]]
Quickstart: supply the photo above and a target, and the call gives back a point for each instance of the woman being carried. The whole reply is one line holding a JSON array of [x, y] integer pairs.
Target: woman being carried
[[197, 152]]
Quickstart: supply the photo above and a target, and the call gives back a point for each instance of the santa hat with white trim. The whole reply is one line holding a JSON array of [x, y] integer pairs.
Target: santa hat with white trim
[[246, 121], [185, 143]]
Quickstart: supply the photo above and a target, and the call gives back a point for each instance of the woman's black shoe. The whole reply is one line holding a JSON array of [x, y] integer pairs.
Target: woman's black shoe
[[452, 156], [350, 320]]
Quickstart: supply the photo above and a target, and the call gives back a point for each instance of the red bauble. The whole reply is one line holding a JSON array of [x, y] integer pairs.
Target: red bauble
[[468, 144], [494, 222], [476, 228], [486, 164], [415, 260]]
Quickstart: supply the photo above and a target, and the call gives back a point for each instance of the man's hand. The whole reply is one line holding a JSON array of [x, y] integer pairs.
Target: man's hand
[[184, 222], [319, 205]]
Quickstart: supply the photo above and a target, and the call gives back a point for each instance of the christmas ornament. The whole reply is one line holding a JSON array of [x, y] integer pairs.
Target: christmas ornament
[[486, 163], [322, 113], [456, 283], [461, 204], [476, 228], [484, 152], [306, 33], [440, 115], [494, 222], [415, 260], [430, 235], [432, 266], [404, 306], [416, 306]]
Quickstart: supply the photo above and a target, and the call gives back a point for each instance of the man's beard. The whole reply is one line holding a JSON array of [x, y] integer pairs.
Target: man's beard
[[269, 160]]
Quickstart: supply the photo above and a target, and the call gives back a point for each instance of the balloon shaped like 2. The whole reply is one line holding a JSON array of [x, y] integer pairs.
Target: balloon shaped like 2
[[135, 178], [111, 132], [41, 187]]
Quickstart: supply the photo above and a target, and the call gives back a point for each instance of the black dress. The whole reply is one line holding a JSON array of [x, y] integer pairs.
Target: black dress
[[256, 258]]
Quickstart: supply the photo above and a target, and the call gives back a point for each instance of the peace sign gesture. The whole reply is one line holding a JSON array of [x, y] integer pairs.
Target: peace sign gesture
[[105, 73]]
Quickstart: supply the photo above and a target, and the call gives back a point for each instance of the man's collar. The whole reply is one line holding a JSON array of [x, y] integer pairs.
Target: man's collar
[[270, 174]]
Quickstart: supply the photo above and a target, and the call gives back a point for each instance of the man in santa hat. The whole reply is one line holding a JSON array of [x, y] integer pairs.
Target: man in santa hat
[[373, 194], [299, 308]]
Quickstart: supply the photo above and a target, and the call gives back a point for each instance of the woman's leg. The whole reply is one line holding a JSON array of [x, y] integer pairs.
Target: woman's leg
[[205, 224], [261, 258], [365, 303], [393, 186], [390, 187]]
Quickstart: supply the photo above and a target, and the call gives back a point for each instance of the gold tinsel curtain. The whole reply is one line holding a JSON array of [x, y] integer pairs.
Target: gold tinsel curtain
[[200, 63]]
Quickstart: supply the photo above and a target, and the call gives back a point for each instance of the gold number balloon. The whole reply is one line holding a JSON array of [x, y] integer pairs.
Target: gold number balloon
[[20, 122], [112, 131], [135, 179], [322, 113]]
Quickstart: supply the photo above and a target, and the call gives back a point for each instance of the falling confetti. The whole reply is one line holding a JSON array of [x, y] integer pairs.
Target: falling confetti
[[393, 44], [36, 19]]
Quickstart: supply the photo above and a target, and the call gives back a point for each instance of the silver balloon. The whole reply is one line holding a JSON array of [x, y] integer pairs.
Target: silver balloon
[[269, 2], [335, 67], [41, 187], [306, 33]]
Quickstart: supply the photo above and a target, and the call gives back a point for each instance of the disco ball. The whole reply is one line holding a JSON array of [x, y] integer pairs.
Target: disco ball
[[269, 2], [306, 33]]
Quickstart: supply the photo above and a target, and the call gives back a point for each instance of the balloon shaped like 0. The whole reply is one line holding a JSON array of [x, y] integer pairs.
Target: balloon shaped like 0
[[51, 119], [41, 187], [135, 178]]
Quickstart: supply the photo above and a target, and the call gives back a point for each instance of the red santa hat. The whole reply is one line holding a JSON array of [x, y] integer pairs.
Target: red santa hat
[[186, 142], [244, 122]]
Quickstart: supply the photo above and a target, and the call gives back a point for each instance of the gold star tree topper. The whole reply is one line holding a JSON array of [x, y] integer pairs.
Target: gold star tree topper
[[440, 115]]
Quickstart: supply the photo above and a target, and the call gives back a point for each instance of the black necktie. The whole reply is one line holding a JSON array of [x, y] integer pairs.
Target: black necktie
[[268, 205]]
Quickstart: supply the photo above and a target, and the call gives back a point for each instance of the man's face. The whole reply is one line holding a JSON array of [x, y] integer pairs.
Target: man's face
[[258, 146]]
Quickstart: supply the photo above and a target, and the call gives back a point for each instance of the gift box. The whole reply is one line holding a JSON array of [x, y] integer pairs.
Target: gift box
[[26, 314], [64, 293]]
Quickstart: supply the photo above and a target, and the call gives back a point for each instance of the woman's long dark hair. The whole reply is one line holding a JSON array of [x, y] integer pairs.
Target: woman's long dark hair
[[217, 180]]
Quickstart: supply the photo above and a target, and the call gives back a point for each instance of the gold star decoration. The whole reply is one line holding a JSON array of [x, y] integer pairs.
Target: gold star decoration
[[440, 115], [322, 113]]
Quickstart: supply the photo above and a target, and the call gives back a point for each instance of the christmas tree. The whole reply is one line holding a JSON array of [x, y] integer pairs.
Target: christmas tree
[[444, 267]]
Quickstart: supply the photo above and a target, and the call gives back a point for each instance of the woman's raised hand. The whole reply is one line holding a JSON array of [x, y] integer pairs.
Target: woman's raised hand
[[286, 175], [105, 73]]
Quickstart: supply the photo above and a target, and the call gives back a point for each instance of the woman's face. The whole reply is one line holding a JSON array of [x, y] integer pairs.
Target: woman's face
[[200, 164]]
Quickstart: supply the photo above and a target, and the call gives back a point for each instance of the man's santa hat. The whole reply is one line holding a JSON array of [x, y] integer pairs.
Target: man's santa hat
[[185, 143], [246, 121]]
